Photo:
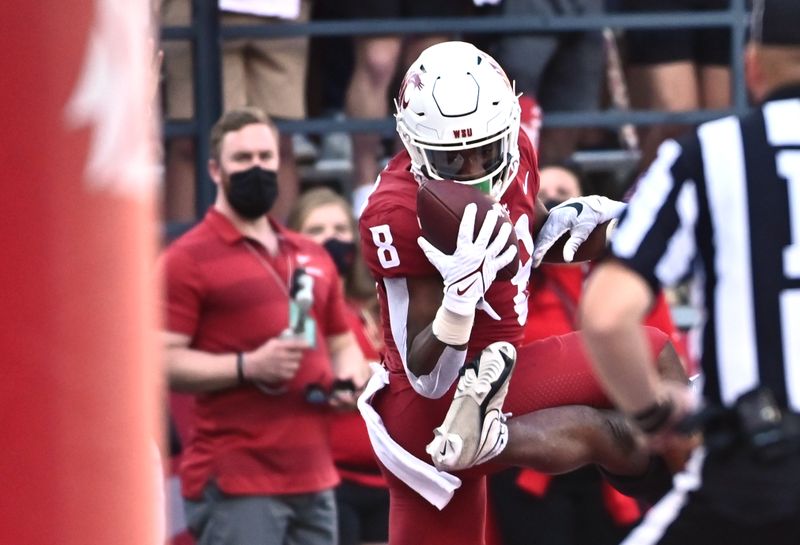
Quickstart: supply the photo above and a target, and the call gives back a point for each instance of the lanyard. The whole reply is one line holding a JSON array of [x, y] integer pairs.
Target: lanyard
[[285, 286], [263, 387]]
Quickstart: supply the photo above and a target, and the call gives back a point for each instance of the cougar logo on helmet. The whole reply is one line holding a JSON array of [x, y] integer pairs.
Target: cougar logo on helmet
[[412, 78], [500, 71], [458, 117]]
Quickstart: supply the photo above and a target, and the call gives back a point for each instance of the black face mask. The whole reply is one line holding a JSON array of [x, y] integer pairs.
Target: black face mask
[[251, 193], [343, 254]]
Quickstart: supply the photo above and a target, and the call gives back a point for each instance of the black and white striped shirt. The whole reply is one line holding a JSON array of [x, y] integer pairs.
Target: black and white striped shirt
[[723, 206]]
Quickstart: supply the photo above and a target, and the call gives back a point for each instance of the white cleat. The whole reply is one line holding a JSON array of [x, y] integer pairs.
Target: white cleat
[[474, 429]]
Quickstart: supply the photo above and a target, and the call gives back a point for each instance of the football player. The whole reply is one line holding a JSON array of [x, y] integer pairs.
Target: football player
[[452, 331]]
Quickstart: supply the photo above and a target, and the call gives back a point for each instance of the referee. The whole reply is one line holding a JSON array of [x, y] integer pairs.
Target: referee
[[722, 206]]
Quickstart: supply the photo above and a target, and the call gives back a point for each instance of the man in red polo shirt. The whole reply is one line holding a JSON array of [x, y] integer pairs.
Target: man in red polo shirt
[[258, 465]]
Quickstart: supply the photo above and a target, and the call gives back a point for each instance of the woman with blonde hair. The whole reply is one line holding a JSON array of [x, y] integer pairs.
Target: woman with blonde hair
[[362, 497]]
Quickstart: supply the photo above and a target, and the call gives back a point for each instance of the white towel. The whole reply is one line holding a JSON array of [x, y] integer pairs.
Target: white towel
[[435, 486]]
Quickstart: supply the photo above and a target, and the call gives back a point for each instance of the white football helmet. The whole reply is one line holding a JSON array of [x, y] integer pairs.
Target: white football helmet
[[458, 116]]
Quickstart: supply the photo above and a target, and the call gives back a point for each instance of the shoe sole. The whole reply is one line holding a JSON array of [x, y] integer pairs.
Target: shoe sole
[[465, 408]]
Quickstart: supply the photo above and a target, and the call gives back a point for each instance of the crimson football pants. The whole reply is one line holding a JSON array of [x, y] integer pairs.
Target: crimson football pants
[[552, 372]]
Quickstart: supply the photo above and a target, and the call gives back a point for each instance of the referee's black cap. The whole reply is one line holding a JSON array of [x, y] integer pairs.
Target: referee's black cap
[[776, 22]]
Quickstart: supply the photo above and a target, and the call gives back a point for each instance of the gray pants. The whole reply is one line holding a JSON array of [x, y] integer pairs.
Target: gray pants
[[292, 519], [563, 71]]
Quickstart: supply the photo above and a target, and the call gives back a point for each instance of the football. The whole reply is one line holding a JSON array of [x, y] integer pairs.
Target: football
[[440, 205]]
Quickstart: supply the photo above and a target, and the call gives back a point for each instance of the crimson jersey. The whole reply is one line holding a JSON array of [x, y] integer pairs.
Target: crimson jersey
[[389, 231]]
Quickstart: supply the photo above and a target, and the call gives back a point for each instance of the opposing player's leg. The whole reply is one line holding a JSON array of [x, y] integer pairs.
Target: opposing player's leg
[[562, 439]]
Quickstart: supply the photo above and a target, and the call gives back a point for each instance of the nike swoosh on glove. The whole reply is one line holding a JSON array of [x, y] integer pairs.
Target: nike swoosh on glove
[[472, 268], [579, 216]]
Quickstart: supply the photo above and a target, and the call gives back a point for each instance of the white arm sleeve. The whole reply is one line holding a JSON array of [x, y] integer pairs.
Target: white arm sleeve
[[435, 384]]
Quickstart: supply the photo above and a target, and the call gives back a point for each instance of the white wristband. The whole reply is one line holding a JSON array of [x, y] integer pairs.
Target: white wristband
[[451, 328]]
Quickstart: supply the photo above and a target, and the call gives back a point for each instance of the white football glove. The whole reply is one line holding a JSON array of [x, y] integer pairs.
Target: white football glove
[[472, 268], [579, 216]]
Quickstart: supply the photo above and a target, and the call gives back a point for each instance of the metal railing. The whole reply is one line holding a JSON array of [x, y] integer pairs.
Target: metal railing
[[206, 36]]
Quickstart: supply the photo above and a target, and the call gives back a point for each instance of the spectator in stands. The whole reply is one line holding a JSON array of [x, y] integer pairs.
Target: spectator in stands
[[258, 466], [676, 69], [377, 59], [330, 69], [362, 498], [563, 70], [269, 74]]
